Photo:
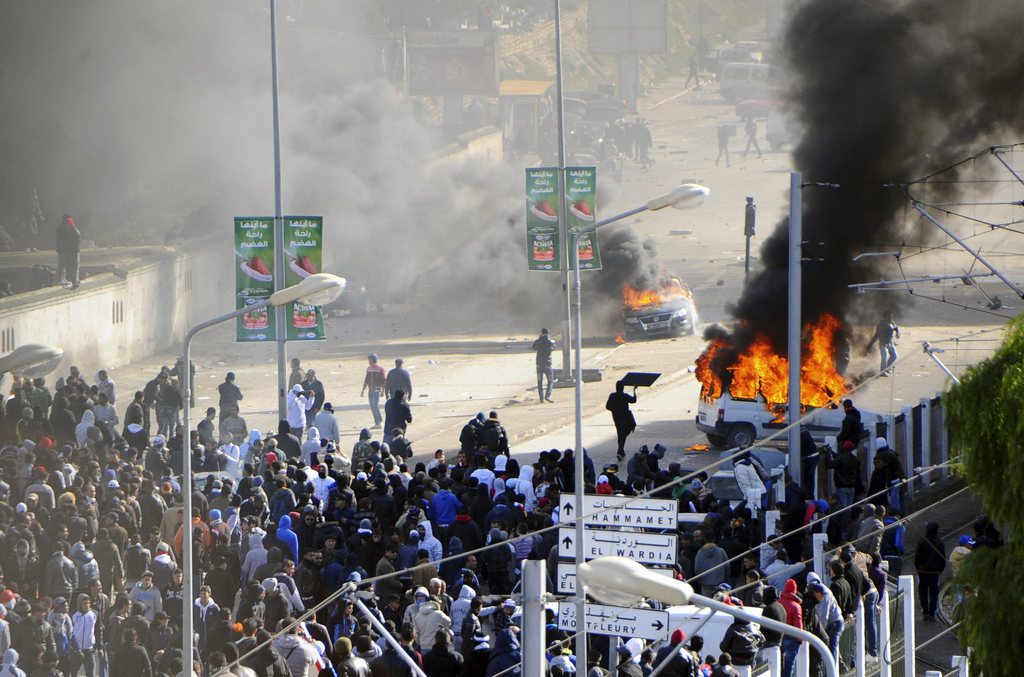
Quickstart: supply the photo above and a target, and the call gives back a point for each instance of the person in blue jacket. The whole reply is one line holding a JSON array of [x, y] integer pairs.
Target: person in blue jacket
[[287, 537]]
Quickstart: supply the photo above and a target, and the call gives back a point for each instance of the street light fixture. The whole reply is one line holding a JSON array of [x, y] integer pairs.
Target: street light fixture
[[684, 196], [32, 360], [620, 580], [314, 290]]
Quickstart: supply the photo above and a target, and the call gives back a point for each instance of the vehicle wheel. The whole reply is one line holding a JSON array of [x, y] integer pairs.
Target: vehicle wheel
[[741, 435], [717, 441], [947, 602]]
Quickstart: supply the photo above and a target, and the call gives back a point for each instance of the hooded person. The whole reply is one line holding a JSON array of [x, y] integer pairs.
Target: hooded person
[[524, 486], [449, 571], [287, 537], [430, 542], [298, 405], [506, 653], [82, 429], [311, 448], [419, 598], [9, 667], [85, 562], [256, 557], [460, 609], [407, 553]]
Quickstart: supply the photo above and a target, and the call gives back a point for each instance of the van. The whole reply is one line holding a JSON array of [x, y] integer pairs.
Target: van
[[745, 81]]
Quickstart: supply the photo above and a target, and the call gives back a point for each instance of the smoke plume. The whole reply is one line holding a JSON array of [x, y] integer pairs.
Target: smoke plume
[[885, 92]]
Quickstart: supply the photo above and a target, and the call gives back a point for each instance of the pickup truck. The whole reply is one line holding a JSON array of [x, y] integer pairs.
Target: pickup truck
[[730, 422]]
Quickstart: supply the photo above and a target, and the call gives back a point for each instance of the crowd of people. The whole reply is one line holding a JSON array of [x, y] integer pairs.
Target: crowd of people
[[310, 559]]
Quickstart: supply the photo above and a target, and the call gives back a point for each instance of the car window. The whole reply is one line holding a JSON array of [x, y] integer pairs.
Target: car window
[[725, 488]]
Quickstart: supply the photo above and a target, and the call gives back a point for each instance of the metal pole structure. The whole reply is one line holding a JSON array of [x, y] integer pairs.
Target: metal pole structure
[[188, 592], [563, 235], [581, 597], [772, 624], [388, 637], [749, 224], [532, 639], [795, 344], [280, 316], [1016, 290], [930, 352]]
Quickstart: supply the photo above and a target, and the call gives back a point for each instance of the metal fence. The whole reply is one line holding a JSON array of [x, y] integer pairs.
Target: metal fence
[[897, 644]]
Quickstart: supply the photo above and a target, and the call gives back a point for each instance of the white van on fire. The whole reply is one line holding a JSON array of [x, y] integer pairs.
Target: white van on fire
[[731, 422]]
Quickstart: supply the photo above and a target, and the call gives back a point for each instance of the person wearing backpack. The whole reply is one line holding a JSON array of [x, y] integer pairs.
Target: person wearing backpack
[[494, 435]]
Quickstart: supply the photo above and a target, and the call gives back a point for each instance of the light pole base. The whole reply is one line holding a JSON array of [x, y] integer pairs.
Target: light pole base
[[566, 380]]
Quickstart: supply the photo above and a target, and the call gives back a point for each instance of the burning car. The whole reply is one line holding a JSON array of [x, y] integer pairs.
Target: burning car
[[654, 313], [743, 397]]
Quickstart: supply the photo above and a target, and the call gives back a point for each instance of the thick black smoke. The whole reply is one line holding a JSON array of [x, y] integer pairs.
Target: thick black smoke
[[885, 92]]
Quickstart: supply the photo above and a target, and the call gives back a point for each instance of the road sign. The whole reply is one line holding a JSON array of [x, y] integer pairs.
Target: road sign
[[645, 548], [566, 583], [606, 511], [617, 621]]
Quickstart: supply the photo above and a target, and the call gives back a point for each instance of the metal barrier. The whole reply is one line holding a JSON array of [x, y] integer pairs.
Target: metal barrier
[[897, 636]]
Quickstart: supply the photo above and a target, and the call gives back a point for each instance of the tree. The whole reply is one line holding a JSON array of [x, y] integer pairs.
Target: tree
[[986, 430]]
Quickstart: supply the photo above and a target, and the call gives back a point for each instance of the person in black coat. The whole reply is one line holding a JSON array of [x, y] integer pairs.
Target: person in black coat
[[397, 414], [618, 403], [132, 659], [442, 660], [930, 562]]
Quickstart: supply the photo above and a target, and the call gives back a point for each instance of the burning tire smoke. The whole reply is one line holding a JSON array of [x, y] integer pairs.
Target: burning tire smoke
[[884, 93]]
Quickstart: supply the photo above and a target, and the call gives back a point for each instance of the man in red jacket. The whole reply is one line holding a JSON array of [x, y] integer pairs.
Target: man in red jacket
[[791, 602]]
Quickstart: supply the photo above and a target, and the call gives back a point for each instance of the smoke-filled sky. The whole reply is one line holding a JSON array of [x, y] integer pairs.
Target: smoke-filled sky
[[150, 121], [885, 92]]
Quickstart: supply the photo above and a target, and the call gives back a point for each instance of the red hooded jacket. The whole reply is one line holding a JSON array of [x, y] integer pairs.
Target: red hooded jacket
[[790, 601]]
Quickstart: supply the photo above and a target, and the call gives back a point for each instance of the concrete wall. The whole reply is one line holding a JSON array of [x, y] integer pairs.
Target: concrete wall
[[130, 313]]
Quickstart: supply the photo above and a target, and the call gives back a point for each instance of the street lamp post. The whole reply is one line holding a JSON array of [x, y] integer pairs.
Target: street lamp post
[[315, 290], [688, 194], [616, 579]]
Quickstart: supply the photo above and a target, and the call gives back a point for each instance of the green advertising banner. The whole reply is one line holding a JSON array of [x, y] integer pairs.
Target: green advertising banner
[[543, 247], [581, 211], [303, 252], [254, 276]]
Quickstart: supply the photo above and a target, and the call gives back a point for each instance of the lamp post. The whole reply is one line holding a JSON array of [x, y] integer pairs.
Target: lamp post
[[33, 359], [620, 579], [315, 290], [686, 195], [280, 321]]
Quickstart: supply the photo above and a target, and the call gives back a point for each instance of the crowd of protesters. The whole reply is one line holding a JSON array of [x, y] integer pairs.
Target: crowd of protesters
[[289, 525]]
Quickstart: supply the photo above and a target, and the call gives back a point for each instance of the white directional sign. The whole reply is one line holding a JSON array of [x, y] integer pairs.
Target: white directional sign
[[614, 511], [638, 546], [566, 581], [616, 620]]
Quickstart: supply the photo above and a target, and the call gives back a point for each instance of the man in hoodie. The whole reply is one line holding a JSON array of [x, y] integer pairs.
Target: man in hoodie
[[494, 435], [397, 414], [792, 604], [85, 563], [203, 615], [499, 563], [419, 598], [163, 567], [255, 558], [428, 621], [296, 648], [444, 507], [282, 501], [287, 537], [709, 564], [429, 542], [461, 609], [827, 611]]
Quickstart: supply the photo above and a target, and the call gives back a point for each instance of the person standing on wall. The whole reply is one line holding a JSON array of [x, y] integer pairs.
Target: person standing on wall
[[69, 246], [618, 403], [543, 346]]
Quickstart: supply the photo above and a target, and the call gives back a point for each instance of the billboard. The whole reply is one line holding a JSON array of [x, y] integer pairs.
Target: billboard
[[628, 26], [452, 62]]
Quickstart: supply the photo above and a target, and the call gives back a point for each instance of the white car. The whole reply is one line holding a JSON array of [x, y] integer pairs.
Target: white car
[[729, 422]]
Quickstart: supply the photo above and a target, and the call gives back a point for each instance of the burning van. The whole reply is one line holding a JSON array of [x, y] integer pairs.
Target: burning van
[[655, 313], [744, 394]]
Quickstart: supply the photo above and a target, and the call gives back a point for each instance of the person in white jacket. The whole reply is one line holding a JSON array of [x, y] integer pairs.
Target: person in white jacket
[[749, 482], [298, 404], [524, 486], [83, 633], [311, 447]]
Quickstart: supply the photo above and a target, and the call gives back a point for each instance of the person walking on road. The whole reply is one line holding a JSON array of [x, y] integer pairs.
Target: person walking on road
[[694, 72], [724, 132], [373, 386], [543, 346], [69, 246], [398, 378], [750, 129], [886, 333], [930, 562], [618, 403], [230, 395]]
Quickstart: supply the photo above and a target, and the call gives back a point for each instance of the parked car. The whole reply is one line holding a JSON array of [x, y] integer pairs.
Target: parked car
[[741, 81], [671, 311]]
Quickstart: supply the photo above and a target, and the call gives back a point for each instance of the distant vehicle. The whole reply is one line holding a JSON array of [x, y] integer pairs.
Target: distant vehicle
[[671, 311], [731, 422], [733, 55], [355, 301], [755, 48], [574, 106], [759, 109], [741, 81], [596, 97]]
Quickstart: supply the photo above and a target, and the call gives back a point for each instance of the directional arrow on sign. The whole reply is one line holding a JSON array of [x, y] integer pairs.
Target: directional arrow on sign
[[567, 509], [567, 542], [658, 625]]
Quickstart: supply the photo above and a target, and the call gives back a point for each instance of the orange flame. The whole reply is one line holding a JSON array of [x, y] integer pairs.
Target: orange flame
[[762, 371], [633, 298], [697, 447], [619, 339]]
